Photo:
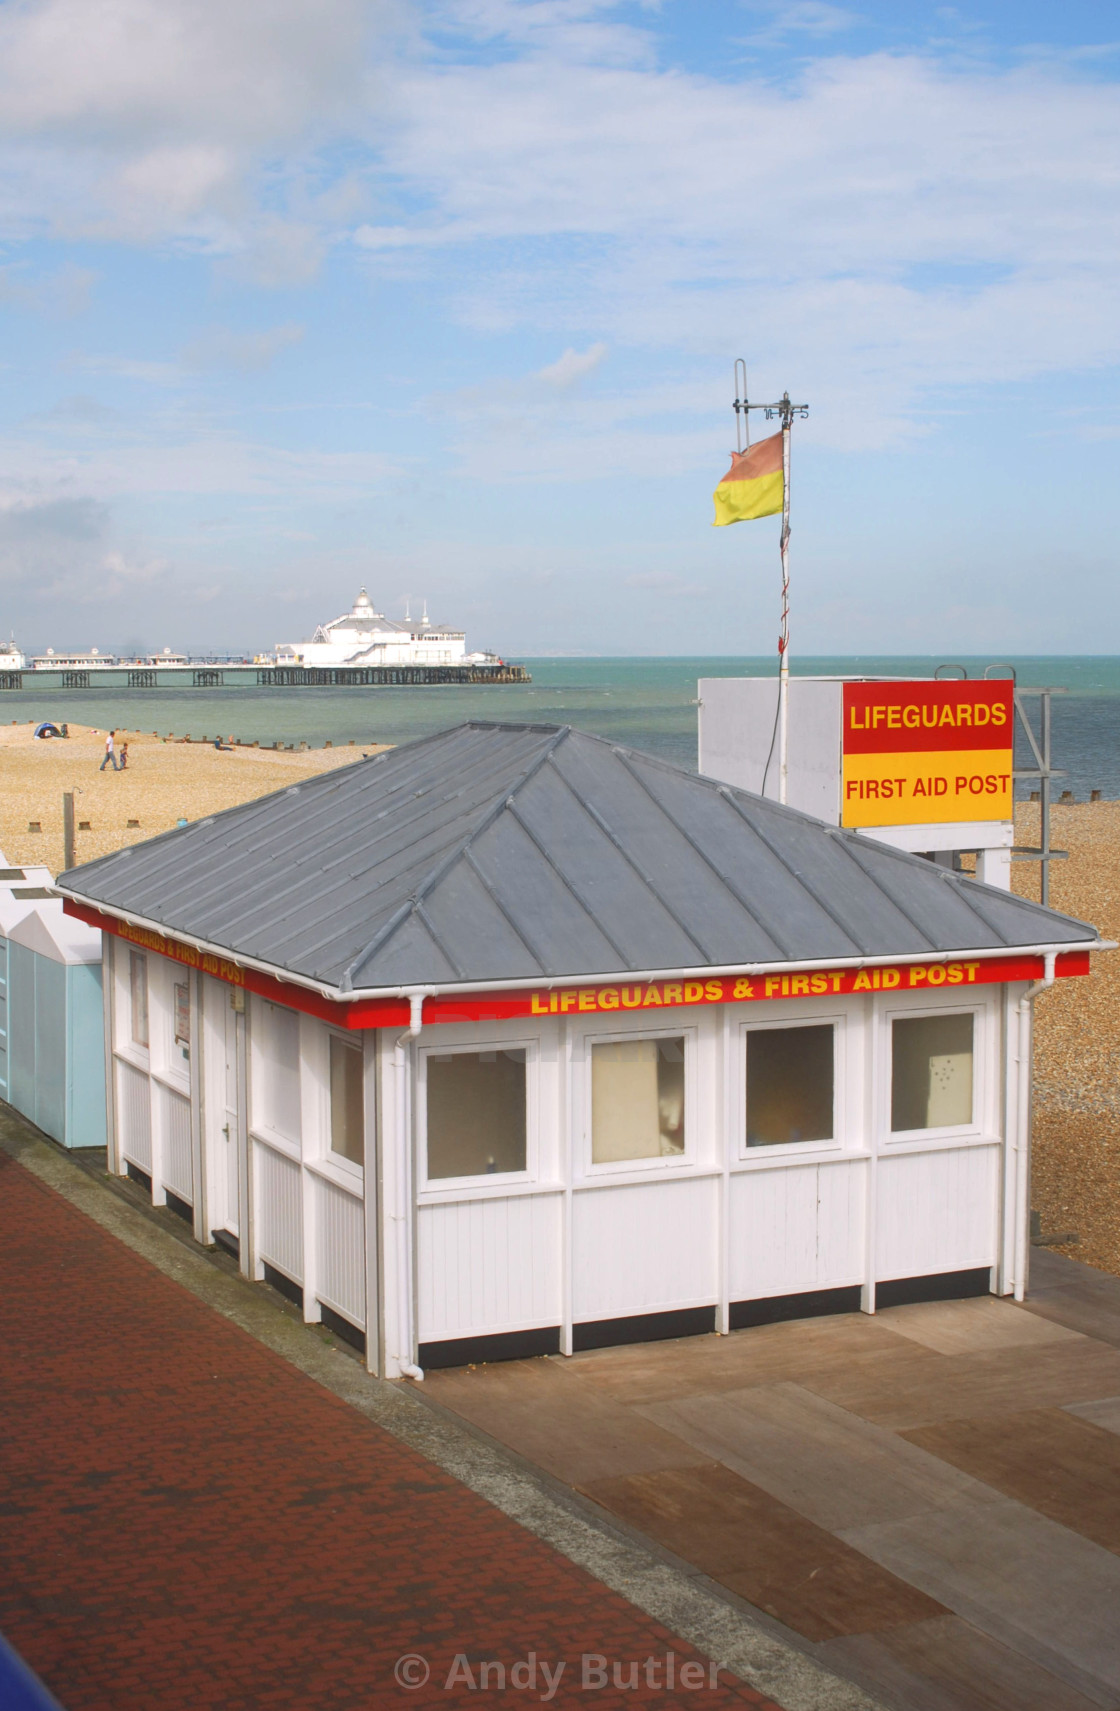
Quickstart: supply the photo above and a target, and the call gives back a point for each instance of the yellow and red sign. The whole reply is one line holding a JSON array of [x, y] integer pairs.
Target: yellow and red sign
[[921, 752]]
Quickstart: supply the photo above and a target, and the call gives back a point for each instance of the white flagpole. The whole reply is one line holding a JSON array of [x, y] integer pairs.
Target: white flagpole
[[786, 411], [783, 639]]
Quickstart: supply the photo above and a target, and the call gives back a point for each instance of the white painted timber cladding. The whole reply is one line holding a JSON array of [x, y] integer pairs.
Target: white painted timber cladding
[[173, 1113], [644, 1247], [134, 1114], [796, 1228], [279, 1220], [340, 1249], [937, 1211], [489, 1265]]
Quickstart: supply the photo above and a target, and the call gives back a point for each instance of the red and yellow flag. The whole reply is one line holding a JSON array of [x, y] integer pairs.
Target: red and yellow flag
[[754, 485]]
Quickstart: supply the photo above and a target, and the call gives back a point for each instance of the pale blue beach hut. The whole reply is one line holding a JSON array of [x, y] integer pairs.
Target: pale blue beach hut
[[55, 1029]]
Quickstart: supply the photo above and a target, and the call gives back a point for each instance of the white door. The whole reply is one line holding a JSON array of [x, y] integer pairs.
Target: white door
[[223, 1106], [231, 1175]]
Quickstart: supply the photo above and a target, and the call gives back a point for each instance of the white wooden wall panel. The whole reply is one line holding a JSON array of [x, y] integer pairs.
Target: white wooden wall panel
[[279, 1220], [174, 1117], [796, 1228], [937, 1211], [841, 1232], [644, 1248], [134, 1114], [340, 1249], [489, 1265]]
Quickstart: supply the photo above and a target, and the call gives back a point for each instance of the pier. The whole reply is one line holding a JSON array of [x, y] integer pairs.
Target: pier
[[245, 674]]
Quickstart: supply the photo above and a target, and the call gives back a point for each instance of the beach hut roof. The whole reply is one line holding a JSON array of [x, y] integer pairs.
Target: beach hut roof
[[506, 852]]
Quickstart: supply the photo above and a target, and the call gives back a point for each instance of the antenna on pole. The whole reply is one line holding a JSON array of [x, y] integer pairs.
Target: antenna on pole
[[742, 408], [786, 412]]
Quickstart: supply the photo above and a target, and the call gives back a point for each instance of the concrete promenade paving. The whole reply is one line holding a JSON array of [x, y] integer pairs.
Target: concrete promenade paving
[[190, 1521]]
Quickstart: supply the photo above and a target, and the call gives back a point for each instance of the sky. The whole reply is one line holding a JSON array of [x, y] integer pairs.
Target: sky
[[444, 298]]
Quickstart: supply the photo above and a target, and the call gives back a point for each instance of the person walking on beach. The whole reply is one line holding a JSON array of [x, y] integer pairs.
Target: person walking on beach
[[123, 761], [110, 754]]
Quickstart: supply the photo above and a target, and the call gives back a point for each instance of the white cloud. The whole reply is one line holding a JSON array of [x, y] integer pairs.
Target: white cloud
[[220, 347], [572, 366], [153, 118]]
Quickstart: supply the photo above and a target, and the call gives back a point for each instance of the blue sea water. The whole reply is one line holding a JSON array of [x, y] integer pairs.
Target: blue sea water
[[647, 703]]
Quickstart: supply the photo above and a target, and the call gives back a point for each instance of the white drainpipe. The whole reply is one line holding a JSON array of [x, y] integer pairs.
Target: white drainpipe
[[1022, 1160], [406, 1132]]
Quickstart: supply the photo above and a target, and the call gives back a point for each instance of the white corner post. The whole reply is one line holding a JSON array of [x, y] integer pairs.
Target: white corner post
[[400, 1196], [1018, 1178], [783, 640]]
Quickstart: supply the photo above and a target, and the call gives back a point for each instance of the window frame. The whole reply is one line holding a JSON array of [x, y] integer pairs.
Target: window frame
[[141, 958], [980, 1127], [491, 1184], [259, 1063], [674, 1027], [348, 1168], [843, 1138]]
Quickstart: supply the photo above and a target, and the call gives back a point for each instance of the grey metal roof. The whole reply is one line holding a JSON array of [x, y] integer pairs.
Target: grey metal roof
[[502, 852]]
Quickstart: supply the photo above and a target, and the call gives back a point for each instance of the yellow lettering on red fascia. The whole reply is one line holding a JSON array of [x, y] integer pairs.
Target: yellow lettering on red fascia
[[916, 974], [672, 994], [537, 1008], [608, 998], [862, 981], [587, 998], [713, 991], [653, 996], [693, 991]]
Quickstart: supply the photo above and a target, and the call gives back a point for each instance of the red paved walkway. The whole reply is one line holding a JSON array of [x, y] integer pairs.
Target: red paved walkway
[[187, 1521]]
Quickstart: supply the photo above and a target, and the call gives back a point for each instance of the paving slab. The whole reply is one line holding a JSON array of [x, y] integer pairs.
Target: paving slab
[[946, 1664], [1075, 1295], [971, 1327], [577, 1432], [763, 1550], [1104, 1413], [1019, 1577], [832, 1467], [1002, 1382], [1063, 1466]]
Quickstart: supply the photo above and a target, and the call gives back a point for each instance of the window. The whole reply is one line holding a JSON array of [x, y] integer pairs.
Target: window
[[182, 996], [348, 1127], [790, 1085], [138, 987], [276, 1068], [637, 1100], [476, 1113], [931, 1072]]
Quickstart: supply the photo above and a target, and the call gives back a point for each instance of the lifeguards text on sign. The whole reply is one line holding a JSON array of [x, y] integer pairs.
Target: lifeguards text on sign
[[922, 752]]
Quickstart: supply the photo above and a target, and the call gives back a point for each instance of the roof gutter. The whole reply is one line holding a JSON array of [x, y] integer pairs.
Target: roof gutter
[[547, 982]]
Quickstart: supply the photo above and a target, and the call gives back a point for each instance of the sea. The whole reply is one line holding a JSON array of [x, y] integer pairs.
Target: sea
[[647, 703]]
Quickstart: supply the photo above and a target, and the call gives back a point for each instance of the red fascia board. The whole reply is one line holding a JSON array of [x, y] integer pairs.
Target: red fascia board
[[600, 998]]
